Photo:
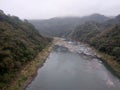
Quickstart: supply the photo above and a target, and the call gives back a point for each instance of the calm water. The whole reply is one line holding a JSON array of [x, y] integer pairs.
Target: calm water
[[65, 70]]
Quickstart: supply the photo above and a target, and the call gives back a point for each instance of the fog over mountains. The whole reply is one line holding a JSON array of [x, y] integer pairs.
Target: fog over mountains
[[62, 26]]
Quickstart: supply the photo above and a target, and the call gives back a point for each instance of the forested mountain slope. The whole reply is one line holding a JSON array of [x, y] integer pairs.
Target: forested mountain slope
[[108, 41], [105, 36], [62, 26], [86, 31], [19, 43]]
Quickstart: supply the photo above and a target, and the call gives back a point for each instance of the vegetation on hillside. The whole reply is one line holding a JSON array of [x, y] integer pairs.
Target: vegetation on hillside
[[105, 37], [108, 42], [19, 43], [85, 31]]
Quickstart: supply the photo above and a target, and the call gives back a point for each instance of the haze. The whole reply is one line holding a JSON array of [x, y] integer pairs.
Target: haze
[[43, 9]]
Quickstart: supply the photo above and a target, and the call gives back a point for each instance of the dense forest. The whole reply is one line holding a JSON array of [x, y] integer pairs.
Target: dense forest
[[19, 43]]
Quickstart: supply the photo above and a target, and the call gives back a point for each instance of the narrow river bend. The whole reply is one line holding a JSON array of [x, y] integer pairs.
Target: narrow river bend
[[73, 66]]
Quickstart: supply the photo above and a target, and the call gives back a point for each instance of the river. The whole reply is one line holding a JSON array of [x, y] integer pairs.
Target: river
[[73, 66]]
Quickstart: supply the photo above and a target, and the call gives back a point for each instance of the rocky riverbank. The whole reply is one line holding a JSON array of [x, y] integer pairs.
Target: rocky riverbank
[[85, 49]]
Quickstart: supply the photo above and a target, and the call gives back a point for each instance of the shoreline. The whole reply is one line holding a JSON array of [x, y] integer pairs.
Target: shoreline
[[24, 79], [107, 60], [29, 72], [109, 63]]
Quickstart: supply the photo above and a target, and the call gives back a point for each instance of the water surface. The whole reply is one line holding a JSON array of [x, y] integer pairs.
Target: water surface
[[71, 67]]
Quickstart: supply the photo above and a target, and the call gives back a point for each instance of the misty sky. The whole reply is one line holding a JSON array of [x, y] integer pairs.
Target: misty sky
[[42, 9]]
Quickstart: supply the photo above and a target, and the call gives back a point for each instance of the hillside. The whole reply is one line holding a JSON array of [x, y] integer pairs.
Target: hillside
[[86, 31], [108, 41], [62, 26], [19, 43], [105, 37]]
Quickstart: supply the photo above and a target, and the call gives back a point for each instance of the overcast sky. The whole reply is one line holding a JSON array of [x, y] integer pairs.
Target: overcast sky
[[42, 9]]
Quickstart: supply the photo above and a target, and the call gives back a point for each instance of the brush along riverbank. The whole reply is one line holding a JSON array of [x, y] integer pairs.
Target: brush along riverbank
[[108, 60], [110, 63], [27, 74]]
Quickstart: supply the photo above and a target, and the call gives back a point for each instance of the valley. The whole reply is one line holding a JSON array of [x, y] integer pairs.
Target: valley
[[61, 53]]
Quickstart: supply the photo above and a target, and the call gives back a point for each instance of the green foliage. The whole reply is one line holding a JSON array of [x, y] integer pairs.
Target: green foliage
[[85, 31], [106, 40], [116, 52], [19, 43]]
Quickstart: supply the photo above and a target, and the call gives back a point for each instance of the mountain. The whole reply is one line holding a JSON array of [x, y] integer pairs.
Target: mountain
[[89, 28], [103, 36], [108, 41], [55, 26], [95, 17], [113, 21], [85, 31], [62, 26], [20, 42]]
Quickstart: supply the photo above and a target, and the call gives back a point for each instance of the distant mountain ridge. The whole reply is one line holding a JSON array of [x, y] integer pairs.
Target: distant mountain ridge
[[62, 26]]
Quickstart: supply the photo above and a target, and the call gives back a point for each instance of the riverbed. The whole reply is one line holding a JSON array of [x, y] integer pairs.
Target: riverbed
[[73, 66]]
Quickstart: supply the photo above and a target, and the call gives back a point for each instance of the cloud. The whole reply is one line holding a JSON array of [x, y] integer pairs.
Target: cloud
[[38, 9]]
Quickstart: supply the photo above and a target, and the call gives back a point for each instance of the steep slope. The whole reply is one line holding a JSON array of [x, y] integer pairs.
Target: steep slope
[[64, 25], [86, 31], [108, 41], [19, 43], [105, 37]]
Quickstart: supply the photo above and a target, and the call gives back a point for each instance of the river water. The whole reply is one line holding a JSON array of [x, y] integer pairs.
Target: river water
[[73, 66]]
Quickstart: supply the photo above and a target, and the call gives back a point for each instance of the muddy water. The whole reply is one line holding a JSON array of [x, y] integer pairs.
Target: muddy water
[[73, 66]]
